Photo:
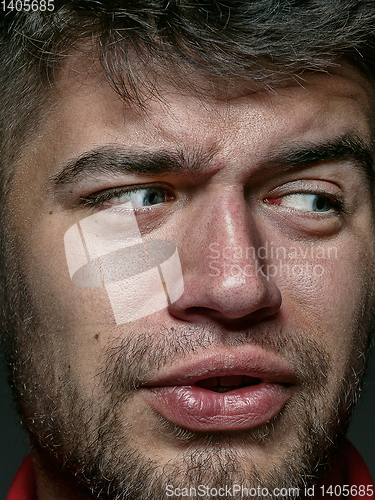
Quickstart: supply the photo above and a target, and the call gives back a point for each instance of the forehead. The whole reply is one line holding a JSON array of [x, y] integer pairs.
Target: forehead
[[230, 122]]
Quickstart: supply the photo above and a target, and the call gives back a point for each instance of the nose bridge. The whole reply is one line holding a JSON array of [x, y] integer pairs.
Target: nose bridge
[[230, 234], [220, 260], [237, 231]]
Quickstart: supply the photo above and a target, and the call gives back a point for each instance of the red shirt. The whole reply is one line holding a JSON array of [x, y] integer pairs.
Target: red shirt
[[357, 478], [24, 486]]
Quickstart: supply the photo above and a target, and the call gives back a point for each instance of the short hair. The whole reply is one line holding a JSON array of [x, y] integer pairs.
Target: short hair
[[264, 41]]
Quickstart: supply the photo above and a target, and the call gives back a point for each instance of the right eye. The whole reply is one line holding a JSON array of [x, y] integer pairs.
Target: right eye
[[142, 197]]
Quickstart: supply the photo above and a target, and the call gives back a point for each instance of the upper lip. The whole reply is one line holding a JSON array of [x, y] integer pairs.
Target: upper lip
[[250, 361]]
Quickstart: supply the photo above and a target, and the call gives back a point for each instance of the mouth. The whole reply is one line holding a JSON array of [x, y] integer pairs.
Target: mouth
[[220, 392], [227, 383]]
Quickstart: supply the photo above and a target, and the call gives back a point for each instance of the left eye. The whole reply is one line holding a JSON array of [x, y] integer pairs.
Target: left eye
[[308, 202]]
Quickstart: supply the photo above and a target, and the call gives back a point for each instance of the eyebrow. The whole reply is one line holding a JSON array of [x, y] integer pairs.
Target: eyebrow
[[348, 147], [115, 160]]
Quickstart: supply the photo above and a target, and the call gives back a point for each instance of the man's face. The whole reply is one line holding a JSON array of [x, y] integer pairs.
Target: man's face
[[245, 376]]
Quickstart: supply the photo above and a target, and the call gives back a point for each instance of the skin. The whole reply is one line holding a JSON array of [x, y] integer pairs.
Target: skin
[[233, 201]]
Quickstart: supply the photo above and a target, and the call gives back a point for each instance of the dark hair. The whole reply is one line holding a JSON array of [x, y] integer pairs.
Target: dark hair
[[265, 41]]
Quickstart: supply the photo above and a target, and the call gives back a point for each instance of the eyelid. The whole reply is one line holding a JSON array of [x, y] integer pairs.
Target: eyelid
[[307, 185], [100, 197], [319, 186]]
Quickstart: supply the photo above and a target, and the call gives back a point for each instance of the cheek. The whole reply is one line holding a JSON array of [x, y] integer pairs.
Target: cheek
[[328, 296], [55, 298], [74, 322]]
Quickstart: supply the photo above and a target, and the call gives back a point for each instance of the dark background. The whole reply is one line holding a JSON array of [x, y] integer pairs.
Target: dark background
[[13, 442]]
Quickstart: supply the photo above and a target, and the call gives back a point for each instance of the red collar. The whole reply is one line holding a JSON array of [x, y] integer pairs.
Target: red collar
[[350, 479], [356, 474], [24, 485]]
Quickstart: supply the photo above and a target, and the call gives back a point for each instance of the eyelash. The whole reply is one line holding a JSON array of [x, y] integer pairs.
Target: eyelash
[[99, 199], [338, 200]]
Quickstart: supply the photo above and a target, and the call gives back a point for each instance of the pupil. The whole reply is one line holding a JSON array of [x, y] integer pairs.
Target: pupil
[[153, 198], [322, 204]]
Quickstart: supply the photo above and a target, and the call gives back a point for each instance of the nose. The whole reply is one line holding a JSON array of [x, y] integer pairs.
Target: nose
[[223, 267]]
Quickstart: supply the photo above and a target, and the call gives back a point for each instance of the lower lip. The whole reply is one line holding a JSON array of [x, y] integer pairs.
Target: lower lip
[[200, 409]]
